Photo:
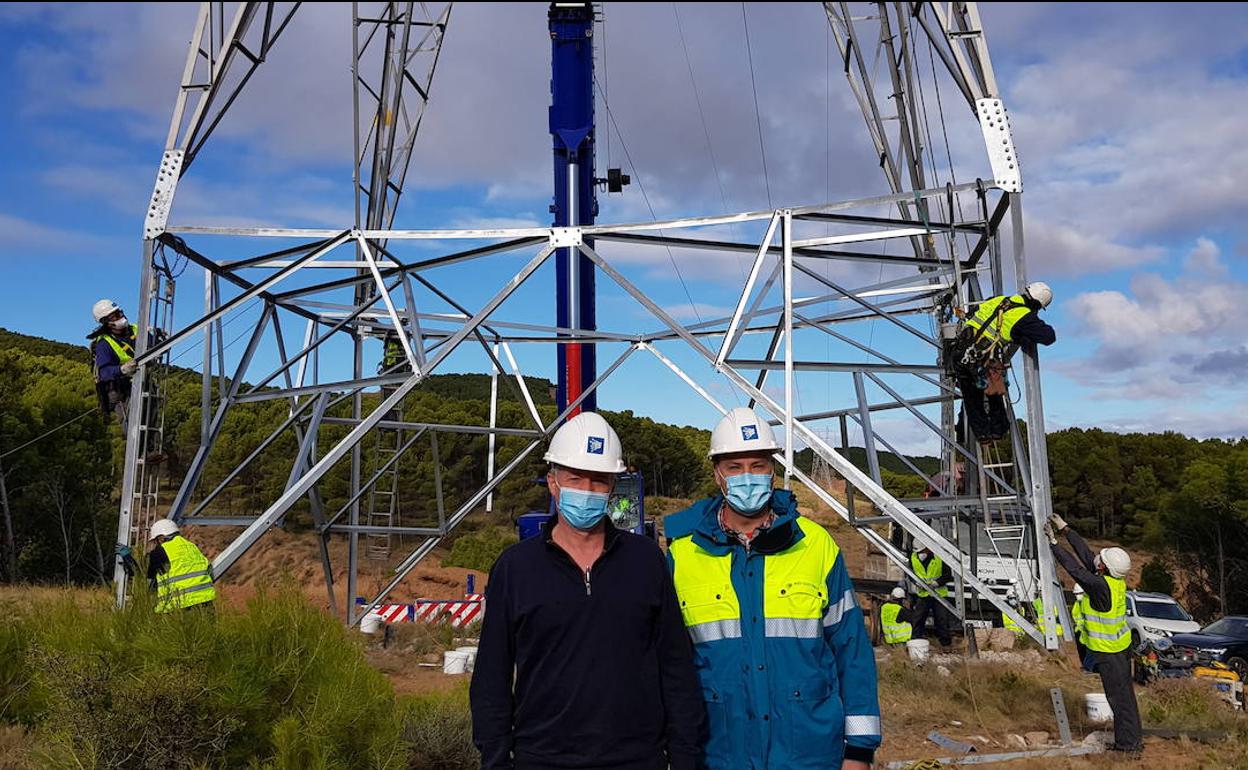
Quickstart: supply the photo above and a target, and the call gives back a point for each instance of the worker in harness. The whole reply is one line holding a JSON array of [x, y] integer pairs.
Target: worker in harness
[[979, 356], [787, 669], [177, 570], [936, 579], [584, 661], [112, 358], [1106, 634], [895, 617]]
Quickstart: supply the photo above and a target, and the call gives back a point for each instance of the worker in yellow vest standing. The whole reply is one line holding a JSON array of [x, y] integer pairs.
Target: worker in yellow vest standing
[[935, 576], [894, 619], [1103, 577], [177, 570], [1076, 618]]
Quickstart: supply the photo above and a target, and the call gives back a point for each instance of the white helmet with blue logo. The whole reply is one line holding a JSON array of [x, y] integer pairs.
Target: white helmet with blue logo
[[587, 443], [741, 430]]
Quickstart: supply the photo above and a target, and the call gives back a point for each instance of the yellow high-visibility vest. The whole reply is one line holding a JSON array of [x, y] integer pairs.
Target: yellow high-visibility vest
[[189, 580], [894, 632], [1076, 617], [929, 574], [794, 588], [1108, 631], [992, 328]]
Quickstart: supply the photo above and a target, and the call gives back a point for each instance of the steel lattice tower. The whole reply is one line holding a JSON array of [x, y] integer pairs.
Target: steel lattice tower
[[945, 241]]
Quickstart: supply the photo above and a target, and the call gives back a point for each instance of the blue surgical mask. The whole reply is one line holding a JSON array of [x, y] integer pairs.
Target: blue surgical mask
[[582, 510], [748, 493]]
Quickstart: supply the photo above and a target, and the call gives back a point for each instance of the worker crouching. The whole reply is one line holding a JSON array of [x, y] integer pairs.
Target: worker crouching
[[177, 570]]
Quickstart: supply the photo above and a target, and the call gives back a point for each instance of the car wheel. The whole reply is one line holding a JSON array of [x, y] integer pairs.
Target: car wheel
[[1239, 666]]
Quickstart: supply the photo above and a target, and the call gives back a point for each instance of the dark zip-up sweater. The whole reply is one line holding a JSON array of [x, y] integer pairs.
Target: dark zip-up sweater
[[578, 670]]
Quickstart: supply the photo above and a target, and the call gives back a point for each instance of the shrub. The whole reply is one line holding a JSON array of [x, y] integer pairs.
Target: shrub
[[276, 685], [1184, 704], [438, 730], [479, 550]]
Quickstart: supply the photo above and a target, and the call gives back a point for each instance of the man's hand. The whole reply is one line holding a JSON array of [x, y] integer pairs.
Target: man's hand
[[1048, 532], [128, 367], [1057, 521], [853, 764]]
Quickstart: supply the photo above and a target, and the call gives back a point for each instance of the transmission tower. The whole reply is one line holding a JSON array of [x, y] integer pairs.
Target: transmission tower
[[941, 241]]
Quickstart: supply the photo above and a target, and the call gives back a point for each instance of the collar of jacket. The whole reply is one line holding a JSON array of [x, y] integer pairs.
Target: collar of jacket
[[701, 520], [104, 330], [610, 531]]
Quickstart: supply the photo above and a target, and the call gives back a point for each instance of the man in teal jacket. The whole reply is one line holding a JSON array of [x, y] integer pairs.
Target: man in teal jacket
[[787, 669]]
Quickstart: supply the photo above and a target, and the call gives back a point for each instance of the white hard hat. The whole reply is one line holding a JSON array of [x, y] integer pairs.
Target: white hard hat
[[1117, 561], [103, 309], [1078, 590], [741, 430], [1040, 292], [899, 593], [162, 528], [586, 443]]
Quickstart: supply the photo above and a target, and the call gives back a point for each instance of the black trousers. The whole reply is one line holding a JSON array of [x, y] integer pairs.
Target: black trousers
[[1114, 669], [988, 421], [923, 607]]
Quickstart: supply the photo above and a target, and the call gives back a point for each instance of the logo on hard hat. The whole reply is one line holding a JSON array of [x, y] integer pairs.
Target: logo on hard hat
[[596, 445], [749, 432]]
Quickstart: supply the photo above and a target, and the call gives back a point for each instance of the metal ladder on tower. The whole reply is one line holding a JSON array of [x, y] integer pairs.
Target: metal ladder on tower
[[1006, 537], [383, 497], [150, 411]]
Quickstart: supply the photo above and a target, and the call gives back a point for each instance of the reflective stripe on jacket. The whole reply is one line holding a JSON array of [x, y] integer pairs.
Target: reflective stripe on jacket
[[929, 574], [1038, 606], [189, 579], [781, 648], [1108, 631], [1076, 618], [991, 327], [894, 632]]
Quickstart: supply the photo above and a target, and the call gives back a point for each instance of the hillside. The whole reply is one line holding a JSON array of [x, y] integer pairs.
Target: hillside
[[1185, 499]]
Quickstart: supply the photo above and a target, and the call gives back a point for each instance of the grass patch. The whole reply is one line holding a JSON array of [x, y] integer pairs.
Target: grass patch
[[1185, 704]]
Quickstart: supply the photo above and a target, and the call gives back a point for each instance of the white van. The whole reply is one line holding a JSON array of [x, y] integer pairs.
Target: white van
[[1153, 616]]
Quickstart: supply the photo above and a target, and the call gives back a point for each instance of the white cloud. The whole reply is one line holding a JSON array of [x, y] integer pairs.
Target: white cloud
[[698, 311], [1205, 258], [1165, 340]]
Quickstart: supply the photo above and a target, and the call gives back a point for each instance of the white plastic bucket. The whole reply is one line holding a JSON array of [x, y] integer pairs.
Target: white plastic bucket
[[454, 662], [1098, 707], [919, 649], [371, 623], [471, 652]]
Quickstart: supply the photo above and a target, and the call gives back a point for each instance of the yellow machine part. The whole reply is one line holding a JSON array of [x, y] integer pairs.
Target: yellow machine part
[[1220, 673]]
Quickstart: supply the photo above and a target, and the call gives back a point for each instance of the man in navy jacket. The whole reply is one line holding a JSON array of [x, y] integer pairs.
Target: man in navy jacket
[[583, 659]]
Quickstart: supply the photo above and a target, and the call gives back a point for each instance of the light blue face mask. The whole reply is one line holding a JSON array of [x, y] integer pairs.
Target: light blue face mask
[[582, 510], [748, 493]]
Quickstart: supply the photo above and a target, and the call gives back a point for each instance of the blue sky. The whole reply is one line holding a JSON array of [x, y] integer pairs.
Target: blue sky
[[1129, 125]]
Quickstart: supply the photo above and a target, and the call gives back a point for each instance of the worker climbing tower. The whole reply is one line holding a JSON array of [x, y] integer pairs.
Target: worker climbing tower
[[817, 279]]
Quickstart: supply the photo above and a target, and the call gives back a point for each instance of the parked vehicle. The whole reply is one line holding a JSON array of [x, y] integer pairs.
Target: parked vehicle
[[1153, 616], [1224, 640]]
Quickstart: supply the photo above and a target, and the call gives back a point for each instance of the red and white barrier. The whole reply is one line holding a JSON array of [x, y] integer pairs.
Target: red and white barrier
[[458, 613]]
